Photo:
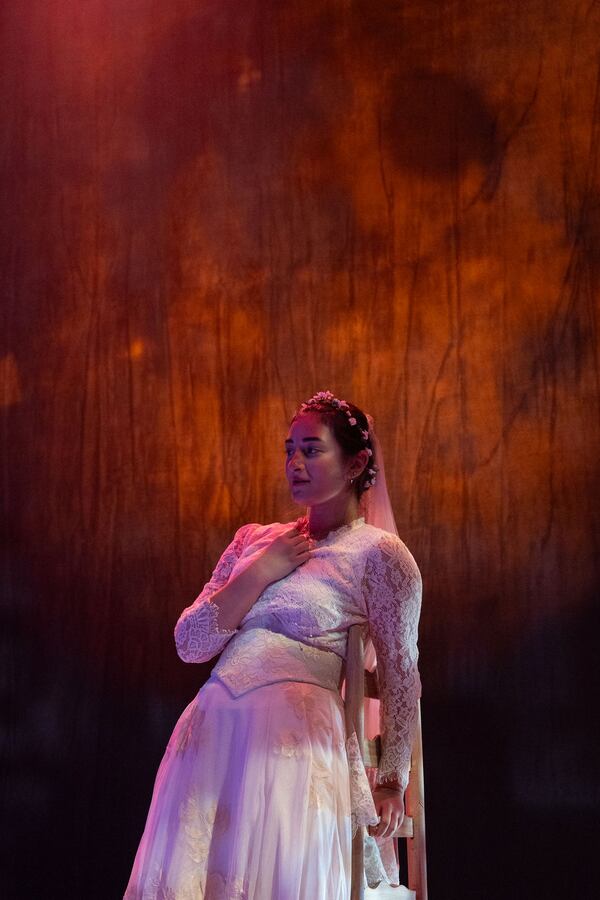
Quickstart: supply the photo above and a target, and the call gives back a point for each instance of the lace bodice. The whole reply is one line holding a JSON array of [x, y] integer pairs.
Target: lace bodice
[[357, 574]]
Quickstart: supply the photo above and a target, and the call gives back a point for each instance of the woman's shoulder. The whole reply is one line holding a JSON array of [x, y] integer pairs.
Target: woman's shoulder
[[387, 548]]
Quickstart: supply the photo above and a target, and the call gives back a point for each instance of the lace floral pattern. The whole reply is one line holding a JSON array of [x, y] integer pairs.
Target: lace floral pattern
[[259, 656], [290, 744], [312, 712], [302, 702], [375, 870], [393, 590], [362, 805], [320, 790], [200, 821], [190, 735], [217, 887], [197, 634]]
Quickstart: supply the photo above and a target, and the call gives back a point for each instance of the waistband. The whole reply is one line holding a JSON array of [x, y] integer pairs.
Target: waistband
[[256, 656]]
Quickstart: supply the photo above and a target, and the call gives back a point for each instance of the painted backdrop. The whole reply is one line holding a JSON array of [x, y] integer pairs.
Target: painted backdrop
[[210, 210]]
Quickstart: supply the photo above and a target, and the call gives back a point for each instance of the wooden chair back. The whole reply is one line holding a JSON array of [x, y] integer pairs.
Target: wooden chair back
[[359, 684]]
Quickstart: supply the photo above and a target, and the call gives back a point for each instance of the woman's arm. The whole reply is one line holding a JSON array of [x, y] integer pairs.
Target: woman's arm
[[204, 628], [393, 589]]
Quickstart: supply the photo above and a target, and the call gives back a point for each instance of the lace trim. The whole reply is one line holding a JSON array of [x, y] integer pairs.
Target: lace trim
[[302, 525], [213, 611]]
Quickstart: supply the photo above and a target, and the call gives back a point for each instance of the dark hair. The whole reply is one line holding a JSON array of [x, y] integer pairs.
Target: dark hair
[[348, 436]]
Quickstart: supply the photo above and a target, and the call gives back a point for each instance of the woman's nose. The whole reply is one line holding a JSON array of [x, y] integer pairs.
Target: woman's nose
[[295, 462]]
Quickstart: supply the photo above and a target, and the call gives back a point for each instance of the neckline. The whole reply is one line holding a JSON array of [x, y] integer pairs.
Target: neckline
[[347, 526]]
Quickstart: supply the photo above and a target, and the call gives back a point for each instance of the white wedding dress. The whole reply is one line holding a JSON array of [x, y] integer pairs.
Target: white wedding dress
[[259, 789]]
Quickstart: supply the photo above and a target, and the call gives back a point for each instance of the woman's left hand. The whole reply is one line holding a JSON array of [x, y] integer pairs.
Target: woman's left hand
[[389, 805]]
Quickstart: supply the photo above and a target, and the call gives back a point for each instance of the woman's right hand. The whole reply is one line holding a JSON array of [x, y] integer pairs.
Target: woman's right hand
[[284, 554]]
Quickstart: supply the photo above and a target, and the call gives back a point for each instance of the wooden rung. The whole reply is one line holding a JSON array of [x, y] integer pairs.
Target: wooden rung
[[406, 830], [372, 752]]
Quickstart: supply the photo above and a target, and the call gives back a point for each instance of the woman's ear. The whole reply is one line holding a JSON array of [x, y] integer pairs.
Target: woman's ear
[[359, 463]]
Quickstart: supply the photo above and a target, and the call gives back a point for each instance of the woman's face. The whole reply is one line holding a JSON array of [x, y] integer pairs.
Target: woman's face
[[315, 467]]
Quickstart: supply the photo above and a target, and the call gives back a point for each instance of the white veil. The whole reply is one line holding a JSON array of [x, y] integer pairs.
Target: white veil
[[375, 503]]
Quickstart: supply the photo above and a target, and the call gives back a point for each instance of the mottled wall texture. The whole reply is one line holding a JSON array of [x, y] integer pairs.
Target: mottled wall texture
[[211, 209]]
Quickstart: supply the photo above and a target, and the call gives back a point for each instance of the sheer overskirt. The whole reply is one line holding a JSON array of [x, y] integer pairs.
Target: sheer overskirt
[[251, 800]]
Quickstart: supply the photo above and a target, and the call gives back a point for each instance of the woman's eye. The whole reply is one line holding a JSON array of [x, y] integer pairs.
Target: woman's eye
[[310, 450]]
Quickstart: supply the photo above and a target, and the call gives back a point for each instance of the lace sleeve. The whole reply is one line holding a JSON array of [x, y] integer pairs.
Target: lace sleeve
[[197, 634], [393, 590]]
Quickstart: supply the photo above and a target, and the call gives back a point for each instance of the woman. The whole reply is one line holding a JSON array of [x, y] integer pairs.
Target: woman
[[259, 791]]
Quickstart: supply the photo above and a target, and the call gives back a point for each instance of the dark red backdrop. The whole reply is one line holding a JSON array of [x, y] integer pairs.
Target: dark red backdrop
[[211, 210]]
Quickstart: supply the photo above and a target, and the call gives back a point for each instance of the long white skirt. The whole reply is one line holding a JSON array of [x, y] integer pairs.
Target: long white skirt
[[251, 800]]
